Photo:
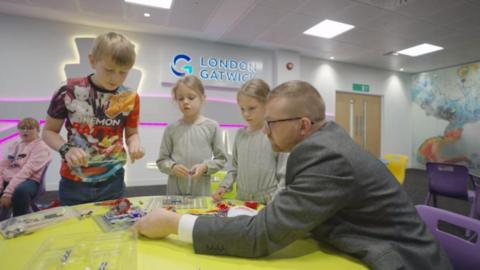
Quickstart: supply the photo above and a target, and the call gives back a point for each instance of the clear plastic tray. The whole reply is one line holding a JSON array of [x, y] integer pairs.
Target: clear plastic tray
[[26, 224], [178, 202], [110, 222], [87, 251]]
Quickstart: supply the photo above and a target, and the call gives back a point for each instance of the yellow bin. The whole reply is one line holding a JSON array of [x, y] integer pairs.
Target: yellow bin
[[397, 164], [217, 179]]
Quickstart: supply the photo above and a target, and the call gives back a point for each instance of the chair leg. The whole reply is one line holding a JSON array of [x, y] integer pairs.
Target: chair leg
[[428, 198], [434, 200], [5, 213], [34, 207]]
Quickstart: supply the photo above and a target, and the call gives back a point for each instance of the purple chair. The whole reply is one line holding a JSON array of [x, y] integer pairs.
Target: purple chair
[[7, 213], [41, 190], [463, 253], [449, 180]]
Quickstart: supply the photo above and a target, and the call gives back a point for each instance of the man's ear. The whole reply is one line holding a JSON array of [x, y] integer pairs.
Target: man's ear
[[305, 126], [92, 61]]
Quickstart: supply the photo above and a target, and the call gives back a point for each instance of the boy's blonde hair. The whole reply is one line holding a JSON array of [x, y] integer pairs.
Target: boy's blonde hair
[[28, 123], [256, 88], [115, 47], [191, 82]]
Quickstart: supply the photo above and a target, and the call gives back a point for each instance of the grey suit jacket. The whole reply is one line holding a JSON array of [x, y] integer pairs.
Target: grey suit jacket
[[336, 193]]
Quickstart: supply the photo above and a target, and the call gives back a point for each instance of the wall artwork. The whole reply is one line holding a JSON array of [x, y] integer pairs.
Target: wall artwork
[[446, 116]]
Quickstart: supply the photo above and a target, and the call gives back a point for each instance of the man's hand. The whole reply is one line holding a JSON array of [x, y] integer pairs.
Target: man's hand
[[76, 157], [198, 170], [158, 224], [5, 202], [218, 194]]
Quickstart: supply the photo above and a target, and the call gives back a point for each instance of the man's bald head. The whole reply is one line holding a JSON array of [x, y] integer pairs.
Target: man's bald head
[[303, 100]]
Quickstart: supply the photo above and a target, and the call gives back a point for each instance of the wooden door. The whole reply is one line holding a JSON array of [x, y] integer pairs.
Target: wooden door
[[360, 116]]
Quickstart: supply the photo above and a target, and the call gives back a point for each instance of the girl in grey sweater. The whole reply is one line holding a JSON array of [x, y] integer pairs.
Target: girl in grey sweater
[[258, 171]]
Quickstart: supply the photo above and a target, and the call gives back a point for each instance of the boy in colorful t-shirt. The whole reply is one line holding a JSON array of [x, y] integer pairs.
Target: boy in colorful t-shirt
[[97, 109]]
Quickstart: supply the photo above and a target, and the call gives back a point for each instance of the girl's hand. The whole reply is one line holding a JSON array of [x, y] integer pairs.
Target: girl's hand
[[198, 170], [180, 170], [218, 194]]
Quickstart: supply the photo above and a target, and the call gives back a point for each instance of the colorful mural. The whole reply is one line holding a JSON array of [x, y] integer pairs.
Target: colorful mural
[[452, 95]]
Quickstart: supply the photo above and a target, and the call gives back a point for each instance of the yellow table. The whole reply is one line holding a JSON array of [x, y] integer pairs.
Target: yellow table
[[170, 253]]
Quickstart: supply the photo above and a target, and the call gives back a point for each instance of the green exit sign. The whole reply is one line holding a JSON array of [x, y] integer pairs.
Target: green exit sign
[[358, 87]]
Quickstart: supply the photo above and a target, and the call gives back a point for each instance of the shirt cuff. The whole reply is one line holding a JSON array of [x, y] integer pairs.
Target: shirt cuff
[[185, 228]]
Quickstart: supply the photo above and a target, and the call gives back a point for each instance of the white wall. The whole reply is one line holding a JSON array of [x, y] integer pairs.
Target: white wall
[[35, 52], [329, 77]]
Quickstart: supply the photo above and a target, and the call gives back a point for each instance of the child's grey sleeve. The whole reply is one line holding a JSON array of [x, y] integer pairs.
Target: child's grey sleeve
[[231, 176], [219, 156], [165, 161]]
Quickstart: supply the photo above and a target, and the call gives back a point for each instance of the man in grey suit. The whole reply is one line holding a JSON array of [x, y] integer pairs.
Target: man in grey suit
[[335, 192]]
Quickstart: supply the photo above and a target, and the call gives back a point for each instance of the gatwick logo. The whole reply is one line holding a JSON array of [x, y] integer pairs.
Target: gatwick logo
[[181, 65]]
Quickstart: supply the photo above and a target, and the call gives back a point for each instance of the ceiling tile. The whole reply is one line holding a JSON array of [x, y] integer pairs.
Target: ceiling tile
[[226, 15], [455, 13], [110, 8], [70, 6], [357, 14], [323, 9], [375, 40], [470, 24], [289, 5], [381, 26], [289, 27], [192, 15], [256, 22], [423, 8], [387, 22], [421, 31], [135, 13]]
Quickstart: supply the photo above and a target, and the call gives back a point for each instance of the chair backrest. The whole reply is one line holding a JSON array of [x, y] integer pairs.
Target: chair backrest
[[448, 179], [463, 254], [476, 186], [41, 188]]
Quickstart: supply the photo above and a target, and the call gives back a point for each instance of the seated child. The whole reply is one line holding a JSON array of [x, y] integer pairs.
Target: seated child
[[21, 172]]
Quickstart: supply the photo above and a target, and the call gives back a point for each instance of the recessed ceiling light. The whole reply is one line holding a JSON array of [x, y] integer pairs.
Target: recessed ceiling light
[[420, 49], [401, 69], [395, 53], [328, 29], [166, 4], [331, 57], [146, 14]]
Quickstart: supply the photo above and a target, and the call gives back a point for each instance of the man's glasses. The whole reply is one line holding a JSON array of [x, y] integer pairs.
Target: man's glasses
[[268, 128], [267, 123]]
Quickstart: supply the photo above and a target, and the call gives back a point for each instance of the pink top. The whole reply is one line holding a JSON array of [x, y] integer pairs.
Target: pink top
[[25, 160]]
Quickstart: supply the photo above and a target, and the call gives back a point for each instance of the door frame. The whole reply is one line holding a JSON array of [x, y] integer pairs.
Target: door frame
[[382, 112]]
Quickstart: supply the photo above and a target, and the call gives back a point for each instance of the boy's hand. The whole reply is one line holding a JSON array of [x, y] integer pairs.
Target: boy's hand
[[5, 202], [180, 170], [158, 224], [76, 157], [198, 170], [135, 151], [218, 194]]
